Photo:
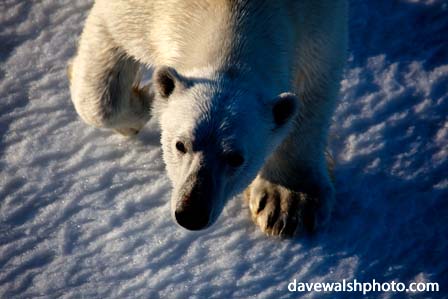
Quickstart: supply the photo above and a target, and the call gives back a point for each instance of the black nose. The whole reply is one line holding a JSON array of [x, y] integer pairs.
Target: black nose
[[192, 217]]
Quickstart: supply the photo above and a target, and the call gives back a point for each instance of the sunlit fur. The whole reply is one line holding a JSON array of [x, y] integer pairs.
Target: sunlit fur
[[238, 57], [217, 116]]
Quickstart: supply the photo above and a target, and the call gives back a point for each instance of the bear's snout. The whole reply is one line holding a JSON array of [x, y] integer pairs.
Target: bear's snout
[[192, 216], [193, 209]]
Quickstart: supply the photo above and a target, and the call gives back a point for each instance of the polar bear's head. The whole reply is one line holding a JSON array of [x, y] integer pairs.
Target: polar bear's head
[[217, 133]]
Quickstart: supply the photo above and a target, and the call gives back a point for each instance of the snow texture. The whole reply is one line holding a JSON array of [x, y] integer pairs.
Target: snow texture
[[85, 213]]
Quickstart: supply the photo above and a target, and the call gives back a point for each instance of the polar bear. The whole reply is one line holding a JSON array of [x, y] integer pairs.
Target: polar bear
[[243, 91]]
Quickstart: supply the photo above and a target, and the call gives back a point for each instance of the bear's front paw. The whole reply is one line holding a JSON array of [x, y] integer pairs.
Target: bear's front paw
[[136, 115], [282, 212], [128, 132]]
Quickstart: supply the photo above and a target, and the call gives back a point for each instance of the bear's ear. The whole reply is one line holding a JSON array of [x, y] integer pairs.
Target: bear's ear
[[285, 108], [166, 80]]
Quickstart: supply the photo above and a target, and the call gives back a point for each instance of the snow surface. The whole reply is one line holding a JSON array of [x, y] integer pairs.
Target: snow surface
[[84, 213]]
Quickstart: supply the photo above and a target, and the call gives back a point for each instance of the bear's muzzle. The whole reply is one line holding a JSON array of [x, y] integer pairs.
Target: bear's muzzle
[[194, 207]]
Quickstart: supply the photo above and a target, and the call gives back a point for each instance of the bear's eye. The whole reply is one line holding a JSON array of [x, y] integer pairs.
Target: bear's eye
[[234, 159], [180, 146]]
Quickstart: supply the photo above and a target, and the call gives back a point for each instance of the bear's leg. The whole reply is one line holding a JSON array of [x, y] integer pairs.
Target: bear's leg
[[293, 192], [104, 82]]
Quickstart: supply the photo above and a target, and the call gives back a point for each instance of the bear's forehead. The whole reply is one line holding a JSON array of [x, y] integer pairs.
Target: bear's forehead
[[216, 129], [223, 128], [222, 114], [223, 99]]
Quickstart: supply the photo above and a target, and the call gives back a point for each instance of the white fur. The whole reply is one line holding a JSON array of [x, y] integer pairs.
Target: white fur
[[246, 52]]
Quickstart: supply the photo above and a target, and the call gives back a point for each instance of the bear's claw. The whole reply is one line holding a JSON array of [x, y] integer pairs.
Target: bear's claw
[[279, 211]]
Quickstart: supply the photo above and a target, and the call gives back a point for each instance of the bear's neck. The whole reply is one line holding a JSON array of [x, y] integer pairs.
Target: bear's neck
[[239, 36]]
